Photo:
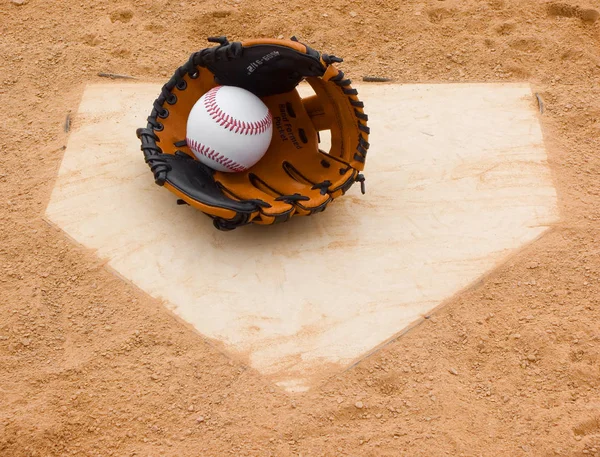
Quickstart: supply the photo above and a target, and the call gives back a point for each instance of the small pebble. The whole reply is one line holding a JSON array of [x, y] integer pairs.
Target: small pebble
[[221, 13], [18, 2], [108, 328], [191, 408], [587, 15], [353, 14], [531, 357], [200, 419], [453, 371], [359, 404]]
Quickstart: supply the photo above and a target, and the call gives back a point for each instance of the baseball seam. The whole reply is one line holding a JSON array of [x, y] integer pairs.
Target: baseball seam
[[230, 123], [204, 150]]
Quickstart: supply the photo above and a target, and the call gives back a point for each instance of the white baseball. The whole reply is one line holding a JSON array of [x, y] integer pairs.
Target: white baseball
[[229, 129]]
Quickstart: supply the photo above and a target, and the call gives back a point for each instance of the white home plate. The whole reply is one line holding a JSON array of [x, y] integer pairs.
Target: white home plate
[[457, 179]]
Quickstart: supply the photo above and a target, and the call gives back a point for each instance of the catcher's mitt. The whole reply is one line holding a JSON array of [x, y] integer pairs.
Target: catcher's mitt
[[294, 177]]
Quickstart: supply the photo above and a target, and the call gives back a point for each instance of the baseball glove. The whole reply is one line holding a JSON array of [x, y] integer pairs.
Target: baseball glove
[[294, 177]]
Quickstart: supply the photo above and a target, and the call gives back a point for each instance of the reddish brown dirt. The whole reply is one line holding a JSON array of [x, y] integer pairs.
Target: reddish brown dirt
[[89, 366]]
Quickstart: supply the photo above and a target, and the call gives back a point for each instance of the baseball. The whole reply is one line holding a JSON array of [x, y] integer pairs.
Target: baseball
[[229, 129]]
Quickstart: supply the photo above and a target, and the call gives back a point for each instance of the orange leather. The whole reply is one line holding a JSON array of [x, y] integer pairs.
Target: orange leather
[[289, 43], [314, 107], [336, 112]]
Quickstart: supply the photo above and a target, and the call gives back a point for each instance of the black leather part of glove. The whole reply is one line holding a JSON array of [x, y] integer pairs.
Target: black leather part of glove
[[195, 180], [263, 69]]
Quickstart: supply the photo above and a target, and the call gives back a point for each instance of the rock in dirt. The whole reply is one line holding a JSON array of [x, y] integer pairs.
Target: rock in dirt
[[589, 15], [18, 2], [122, 15], [561, 10], [359, 404]]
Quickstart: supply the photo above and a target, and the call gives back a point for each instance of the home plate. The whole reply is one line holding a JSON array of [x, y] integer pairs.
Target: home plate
[[457, 180]]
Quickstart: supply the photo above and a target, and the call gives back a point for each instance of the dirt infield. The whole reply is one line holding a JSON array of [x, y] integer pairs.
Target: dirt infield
[[90, 366]]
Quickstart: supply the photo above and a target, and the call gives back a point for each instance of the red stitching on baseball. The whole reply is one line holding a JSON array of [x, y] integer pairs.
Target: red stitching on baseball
[[234, 125], [204, 150]]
